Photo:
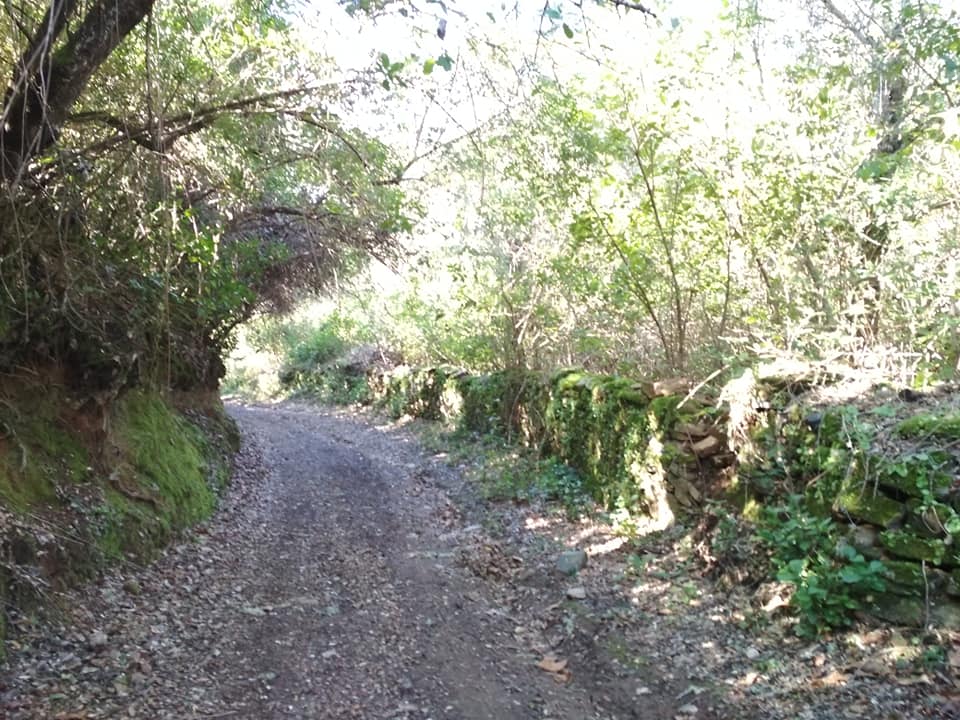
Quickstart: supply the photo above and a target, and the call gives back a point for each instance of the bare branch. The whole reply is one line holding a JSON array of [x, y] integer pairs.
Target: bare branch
[[851, 27]]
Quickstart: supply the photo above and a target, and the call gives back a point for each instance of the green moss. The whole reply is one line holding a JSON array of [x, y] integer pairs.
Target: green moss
[[167, 455], [568, 380], [917, 475], [37, 454], [930, 424], [875, 509], [154, 473], [126, 527], [907, 545]]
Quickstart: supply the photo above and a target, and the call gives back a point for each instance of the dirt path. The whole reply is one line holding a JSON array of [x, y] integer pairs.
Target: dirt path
[[334, 583], [352, 574], [369, 616]]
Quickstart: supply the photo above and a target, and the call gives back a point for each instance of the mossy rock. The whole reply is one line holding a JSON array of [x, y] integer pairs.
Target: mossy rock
[[918, 475], [953, 584], [878, 509], [944, 612], [931, 425], [898, 609], [910, 578], [865, 539], [907, 545]]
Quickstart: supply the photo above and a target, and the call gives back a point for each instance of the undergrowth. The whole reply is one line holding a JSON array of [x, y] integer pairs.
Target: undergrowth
[[830, 578]]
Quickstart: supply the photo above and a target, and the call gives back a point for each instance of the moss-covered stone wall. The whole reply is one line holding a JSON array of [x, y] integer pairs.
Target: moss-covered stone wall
[[619, 436], [887, 471], [649, 451]]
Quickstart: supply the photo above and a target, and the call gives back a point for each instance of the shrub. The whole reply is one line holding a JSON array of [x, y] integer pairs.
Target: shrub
[[830, 577]]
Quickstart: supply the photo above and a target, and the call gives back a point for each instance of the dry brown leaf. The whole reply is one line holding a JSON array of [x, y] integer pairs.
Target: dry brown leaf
[[556, 667], [833, 678], [552, 664], [562, 677]]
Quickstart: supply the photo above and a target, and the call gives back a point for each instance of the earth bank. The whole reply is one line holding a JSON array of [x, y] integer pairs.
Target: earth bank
[[89, 482]]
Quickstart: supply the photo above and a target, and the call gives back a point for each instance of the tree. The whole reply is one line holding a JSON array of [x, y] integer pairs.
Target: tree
[[52, 72], [151, 209]]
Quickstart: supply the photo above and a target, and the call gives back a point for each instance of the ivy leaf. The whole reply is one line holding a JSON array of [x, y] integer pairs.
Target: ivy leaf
[[445, 61], [851, 575]]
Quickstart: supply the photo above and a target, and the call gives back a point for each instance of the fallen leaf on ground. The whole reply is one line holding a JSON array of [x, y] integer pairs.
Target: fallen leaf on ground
[[556, 667], [831, 679], [552, 664]]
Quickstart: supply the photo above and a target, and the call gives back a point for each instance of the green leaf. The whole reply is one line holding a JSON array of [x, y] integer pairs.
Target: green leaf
[[445, 61], [851, 575], [428, 66], [567, 30]]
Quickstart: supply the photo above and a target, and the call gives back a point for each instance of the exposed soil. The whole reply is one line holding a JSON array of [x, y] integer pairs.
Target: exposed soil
[[353, 574]]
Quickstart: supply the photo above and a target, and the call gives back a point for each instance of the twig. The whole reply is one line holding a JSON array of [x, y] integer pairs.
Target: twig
[[635, 6], [699, 386]]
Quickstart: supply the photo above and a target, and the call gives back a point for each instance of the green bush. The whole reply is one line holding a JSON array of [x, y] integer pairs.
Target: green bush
[[561, 483], [830, 577], [317, 346]]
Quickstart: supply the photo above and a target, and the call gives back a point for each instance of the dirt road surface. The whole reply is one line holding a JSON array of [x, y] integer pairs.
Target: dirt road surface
[[337, 581], [350, 573]]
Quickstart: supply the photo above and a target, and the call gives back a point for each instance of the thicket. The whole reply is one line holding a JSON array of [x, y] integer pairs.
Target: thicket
[[801, 201], [202, 174]]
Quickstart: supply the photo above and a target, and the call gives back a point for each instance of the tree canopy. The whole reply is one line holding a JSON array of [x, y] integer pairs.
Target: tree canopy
[[774, 176]]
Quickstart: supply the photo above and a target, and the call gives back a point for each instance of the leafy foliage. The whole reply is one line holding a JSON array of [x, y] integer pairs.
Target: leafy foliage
[[203, 175], [830, 578]]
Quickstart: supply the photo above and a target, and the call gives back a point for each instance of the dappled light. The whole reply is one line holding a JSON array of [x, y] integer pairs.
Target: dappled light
[[578, 360]]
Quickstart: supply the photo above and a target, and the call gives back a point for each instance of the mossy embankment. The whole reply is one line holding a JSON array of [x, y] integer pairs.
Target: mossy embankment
[[86, 483], [879, 467]]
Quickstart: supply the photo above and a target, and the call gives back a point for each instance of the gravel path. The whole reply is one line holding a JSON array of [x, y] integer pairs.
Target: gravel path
[[335, 582], [351, 574]]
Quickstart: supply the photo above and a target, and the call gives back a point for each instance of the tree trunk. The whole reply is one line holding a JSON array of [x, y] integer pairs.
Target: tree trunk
[[46, 82]]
